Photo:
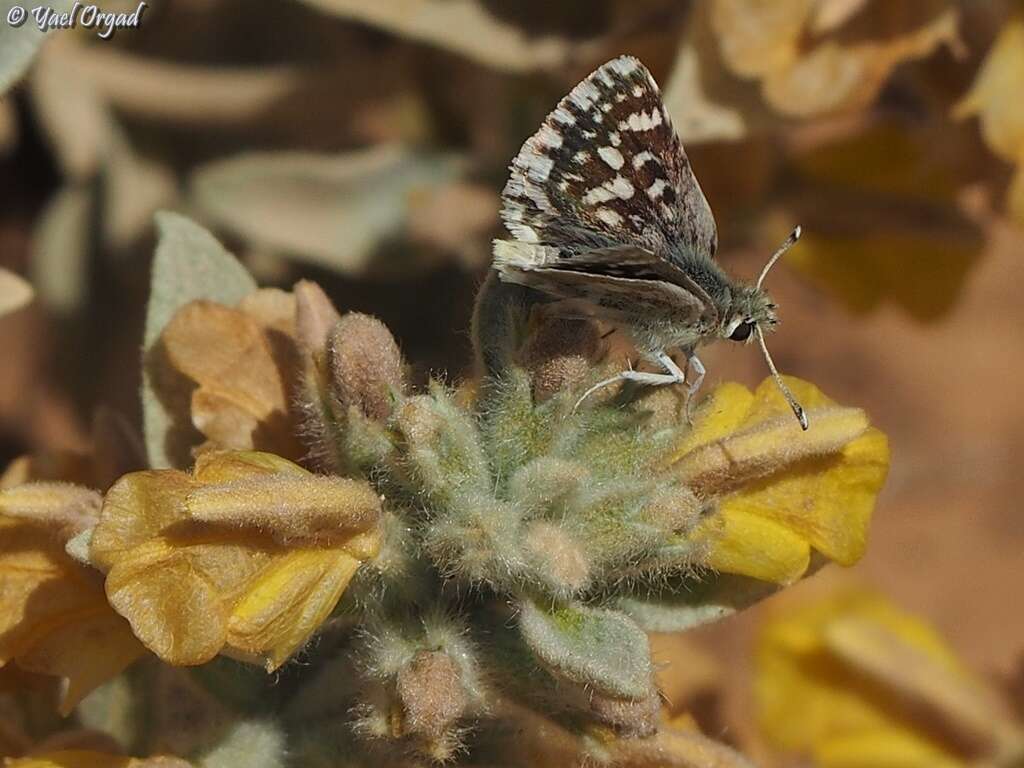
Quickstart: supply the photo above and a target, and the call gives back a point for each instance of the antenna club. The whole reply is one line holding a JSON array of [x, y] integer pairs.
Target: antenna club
[[801, 416]]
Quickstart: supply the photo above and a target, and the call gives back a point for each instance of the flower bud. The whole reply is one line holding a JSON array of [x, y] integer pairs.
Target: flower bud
[[560, 354], [69, 508], [431, 694], [364, 365]]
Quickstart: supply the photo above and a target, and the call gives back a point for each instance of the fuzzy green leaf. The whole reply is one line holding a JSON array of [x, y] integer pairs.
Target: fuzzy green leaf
[[691, 603], [190, 264], [329, 210], [601, 649], [18, 44]]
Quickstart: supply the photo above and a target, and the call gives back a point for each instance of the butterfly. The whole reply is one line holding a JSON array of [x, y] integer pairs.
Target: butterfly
[[609, 222]]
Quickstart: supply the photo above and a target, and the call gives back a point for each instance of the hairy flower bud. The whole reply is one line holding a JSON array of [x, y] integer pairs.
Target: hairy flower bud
[[560, 354], [560, 561], [70, 508], [431, 694], [364, 364]]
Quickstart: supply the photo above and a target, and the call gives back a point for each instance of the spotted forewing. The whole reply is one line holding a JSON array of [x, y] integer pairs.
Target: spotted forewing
[[606, 169]]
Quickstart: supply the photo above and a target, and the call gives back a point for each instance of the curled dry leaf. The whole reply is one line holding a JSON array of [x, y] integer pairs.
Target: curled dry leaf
[[189, 265], [242, 368], [461, 26], [806, 75]]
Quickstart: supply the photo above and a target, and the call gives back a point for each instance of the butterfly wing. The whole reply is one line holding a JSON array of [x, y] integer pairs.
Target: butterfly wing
[[606, 168], [617, 284]]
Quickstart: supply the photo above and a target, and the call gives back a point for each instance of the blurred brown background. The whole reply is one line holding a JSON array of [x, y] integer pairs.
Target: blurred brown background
[[364, 144]]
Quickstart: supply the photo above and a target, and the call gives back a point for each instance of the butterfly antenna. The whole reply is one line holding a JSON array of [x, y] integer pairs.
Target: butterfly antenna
[[790, 242], [798, 410]]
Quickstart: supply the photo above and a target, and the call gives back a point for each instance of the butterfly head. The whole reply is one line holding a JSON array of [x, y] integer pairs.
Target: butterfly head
[[751, 308]]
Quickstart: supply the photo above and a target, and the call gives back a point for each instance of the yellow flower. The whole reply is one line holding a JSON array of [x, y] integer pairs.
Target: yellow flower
[[247, 555], [84, 759], [54, 617], [995, 100], [853, 681], [782, 492]]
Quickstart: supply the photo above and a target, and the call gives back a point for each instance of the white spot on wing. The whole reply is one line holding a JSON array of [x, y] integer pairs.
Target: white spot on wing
[[615, 137], [656, 189], [641, 121], [612, 156], [621, 187], [618, 188], [644, 157], [609, 217], [598, 195]]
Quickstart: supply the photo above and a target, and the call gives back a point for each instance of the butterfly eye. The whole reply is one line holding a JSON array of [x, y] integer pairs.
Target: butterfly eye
[[743, 331]]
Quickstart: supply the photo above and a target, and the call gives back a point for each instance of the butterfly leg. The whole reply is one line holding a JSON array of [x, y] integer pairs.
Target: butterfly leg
[[674, 376], [694, 386]]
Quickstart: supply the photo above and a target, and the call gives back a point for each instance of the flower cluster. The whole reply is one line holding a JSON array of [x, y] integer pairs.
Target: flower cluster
[[465, 557]]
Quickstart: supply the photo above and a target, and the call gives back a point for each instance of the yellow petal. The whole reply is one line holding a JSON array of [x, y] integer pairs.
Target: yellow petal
[[827, 502], [225, 466], [720, 414], [173, 610], [54, 617], [795, 488], [829, 672], [288, 601], [883, 748], [867, 268], [247, 556], [137, 508], [750, 545], [85, 653]]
